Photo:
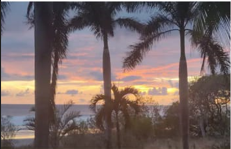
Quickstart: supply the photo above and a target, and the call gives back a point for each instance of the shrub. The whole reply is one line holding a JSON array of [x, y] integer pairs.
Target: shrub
[[8, 131]]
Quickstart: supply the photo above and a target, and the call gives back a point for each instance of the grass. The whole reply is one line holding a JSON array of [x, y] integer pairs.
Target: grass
[[200, 143]]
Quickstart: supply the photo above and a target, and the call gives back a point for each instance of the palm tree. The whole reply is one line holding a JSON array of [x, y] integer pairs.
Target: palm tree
[[59, 32], [4, 8], [60, 40], [120, 103], [184, 17], [100, 18], [43, 48]]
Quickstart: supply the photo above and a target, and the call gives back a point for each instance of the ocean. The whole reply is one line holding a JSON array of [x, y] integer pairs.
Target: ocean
[[18, 113]]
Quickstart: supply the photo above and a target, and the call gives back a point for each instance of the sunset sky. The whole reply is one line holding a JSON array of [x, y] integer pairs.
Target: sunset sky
[[80, 75]]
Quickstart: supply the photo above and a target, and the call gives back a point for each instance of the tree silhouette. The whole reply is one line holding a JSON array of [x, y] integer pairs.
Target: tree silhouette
[[100, 17], [4, 8], [121, 104], [200, 21]]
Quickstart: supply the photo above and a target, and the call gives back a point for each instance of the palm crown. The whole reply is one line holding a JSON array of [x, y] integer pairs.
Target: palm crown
[[4, 7], [195, 18], [120, 103], [100, 18]]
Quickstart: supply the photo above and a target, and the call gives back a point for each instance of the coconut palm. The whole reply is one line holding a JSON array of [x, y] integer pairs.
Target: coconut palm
[[4, 8], [100, 18], [59, 42], [184, 17], [43, 48], [120, 104]]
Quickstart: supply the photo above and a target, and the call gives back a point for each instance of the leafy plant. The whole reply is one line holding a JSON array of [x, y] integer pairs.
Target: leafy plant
[[64, 123], [8, 131]]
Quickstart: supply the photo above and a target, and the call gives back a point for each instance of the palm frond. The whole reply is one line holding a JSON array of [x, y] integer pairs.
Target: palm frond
[[75, 5], [134, 105], [77, 23], [66, 107], [69, 117], [130, 23], [60, 43], [157, 24], [114, 7], [116, 92], [135, 6], [98, 16], [129, 90], [4, 8], [29, 9], [30, 15], [139, 50], [211, 49], [95, 100], [29, 123], [99, 117], [126, 116], [70, 127], [221, 56], [59, 46], [216, 14]]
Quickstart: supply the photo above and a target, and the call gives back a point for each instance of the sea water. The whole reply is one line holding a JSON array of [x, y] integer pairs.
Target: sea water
[[18, 113]]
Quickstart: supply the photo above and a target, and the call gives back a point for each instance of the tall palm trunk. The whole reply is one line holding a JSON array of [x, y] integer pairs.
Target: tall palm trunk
[[107, 88], [43, 22], [118, 131], [183, 90]]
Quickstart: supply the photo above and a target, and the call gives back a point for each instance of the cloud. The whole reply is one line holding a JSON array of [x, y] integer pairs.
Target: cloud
[[72, 92], [82, 100], [5, 93], [131, 78], [142, 82], [62, 77], [14, 77], [172, 84], [23, 93], [3, 74], [158, 91], [98, 76]]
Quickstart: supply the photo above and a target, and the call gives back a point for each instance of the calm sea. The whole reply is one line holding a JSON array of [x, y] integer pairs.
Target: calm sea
[[18, 113]]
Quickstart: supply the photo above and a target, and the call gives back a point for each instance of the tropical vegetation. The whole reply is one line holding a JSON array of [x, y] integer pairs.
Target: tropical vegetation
[[120, 105], [65, 122], [100, 17], [203, 109], [198, 20]]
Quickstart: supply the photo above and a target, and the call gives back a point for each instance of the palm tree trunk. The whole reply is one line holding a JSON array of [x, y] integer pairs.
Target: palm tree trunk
[[107, 88], [43, 25], [201, 125], [118, 131], [183, 91]]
